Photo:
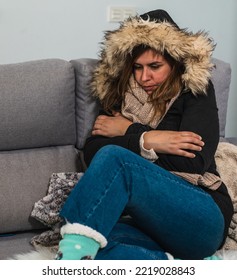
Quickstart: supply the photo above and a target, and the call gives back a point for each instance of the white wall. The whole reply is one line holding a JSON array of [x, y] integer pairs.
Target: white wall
[[68, 29]]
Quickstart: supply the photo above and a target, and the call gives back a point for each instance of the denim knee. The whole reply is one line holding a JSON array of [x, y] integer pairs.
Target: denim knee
[[111, 153]]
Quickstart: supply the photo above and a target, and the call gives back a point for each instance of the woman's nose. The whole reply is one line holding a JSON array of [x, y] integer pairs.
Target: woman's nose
[[145, 74]]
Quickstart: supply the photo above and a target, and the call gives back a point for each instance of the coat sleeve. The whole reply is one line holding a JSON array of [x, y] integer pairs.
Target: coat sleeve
[[94, 143], [129, 141], [200, 115]]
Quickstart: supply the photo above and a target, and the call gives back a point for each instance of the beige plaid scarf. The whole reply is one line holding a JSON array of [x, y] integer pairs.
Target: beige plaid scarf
[[136, 106]]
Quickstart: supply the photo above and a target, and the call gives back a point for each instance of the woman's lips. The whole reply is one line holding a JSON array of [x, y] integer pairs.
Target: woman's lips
[[149, 88]]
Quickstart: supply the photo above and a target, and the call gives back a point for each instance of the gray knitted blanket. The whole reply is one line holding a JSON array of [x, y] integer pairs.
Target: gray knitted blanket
[[47, 209]]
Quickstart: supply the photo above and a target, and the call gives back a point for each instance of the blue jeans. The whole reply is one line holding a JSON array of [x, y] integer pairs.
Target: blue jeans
[[168, 213]]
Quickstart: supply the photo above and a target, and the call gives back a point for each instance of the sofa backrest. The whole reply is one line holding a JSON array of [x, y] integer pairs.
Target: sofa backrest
[[37, 135], [221, 77], [37, 105]]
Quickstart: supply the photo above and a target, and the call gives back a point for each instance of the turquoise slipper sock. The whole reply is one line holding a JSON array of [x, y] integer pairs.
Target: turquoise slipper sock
[[77, 247]]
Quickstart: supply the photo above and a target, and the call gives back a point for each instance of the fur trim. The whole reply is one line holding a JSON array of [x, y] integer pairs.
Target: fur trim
[[43, 253], [194, 50], [76, 228]]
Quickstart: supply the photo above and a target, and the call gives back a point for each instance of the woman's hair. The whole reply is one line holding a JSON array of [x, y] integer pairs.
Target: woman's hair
[[164, 93]]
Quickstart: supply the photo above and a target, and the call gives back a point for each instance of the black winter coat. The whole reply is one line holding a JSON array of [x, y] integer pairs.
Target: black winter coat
[[189, 112]]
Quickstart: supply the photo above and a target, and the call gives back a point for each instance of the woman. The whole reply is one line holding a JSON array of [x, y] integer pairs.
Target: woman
[[151, 153]]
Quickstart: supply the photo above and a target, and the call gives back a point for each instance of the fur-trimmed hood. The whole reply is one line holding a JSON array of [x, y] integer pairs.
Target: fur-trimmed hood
[[194, 50]]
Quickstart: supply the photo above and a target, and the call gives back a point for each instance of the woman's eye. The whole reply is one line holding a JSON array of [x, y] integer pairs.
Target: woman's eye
[[154, 66], [137, 67]]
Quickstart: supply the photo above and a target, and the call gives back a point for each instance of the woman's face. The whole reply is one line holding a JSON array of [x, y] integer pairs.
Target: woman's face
[[150, 70]]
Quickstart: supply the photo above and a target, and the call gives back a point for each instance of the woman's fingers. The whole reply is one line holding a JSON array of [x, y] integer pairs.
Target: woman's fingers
[[182, 143]]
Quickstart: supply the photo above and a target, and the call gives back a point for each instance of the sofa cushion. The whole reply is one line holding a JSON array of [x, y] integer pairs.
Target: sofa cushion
[[37, 107], [87, 107], [25, 176], [221, 78], [19, 243]]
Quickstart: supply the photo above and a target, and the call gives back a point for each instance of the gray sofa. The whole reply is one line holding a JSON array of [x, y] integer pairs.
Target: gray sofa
[[46, 112]]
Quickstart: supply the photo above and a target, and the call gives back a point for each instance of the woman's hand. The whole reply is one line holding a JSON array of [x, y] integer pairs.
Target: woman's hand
[[111, 126], [180, 143]]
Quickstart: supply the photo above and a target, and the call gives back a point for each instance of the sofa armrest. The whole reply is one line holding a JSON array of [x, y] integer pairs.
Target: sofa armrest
[[221, 78]]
